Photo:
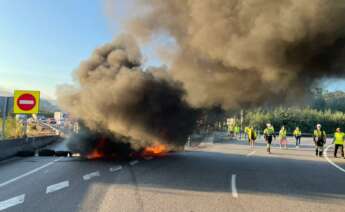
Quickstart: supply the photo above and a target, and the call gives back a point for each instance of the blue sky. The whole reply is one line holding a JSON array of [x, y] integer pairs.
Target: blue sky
[[43, 41]]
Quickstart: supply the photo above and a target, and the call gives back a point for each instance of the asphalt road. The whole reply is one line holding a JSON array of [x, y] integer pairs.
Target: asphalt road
[[215, 176]]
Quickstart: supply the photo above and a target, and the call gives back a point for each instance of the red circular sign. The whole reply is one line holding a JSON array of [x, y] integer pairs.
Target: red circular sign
[[26, 101]]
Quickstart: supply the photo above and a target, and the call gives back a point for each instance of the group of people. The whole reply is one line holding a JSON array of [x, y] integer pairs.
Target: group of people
[[319, 138]]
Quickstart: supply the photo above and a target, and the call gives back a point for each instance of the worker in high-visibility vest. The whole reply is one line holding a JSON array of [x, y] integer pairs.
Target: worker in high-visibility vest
[[298, 134], [231, 130], [282, 137], [339, 142], [319, 137], [237, 131], [269, 134], [251, 136], [246, 133]]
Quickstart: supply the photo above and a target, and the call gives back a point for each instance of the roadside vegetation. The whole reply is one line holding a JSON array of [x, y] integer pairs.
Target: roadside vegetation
[[326, 108], [12, 129]]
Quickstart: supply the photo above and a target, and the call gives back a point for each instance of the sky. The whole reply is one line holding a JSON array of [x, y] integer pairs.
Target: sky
[[42, 42]]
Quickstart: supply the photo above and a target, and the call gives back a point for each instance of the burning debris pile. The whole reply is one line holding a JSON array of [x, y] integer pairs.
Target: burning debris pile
[[228, 53], [119, 102]]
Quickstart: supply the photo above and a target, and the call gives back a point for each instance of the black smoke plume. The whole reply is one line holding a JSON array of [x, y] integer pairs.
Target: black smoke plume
[[119, 101]]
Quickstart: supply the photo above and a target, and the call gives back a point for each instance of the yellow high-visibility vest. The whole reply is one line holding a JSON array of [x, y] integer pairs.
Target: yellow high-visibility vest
[[339, 138]]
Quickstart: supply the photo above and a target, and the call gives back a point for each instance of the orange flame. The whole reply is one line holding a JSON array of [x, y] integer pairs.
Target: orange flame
[[156, 150], [95, 154]]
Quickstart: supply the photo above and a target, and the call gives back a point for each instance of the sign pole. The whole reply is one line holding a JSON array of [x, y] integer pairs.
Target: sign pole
[[4, 117]]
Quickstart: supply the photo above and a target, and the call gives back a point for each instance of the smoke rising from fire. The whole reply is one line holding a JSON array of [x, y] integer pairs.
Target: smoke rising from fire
[[116, 98], [238, 53], [228, 53]]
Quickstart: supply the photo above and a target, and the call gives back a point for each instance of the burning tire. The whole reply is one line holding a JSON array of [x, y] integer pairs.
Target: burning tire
[[46, 152], [63, 153], [26, 153]]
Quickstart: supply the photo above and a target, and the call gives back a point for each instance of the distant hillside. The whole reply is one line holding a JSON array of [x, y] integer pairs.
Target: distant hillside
[[48, 106]]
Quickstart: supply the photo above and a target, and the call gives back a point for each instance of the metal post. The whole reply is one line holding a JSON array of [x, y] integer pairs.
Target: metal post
[[4, 117], [241, 125]]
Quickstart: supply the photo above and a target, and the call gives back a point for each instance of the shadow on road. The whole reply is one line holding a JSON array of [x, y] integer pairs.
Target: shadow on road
[[211, 172]]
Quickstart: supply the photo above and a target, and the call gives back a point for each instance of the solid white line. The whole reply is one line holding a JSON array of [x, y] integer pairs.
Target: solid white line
[[251, 153], [132, 163], [330, 161], [115, 169], [91, 175], [12, 202], [56, 187], [233, 186], [29, 173]]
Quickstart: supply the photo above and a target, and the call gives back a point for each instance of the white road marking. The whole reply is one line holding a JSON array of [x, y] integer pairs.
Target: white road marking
[[91, 175], [330, 161], [56, 187], [12, 202], [251, 153], [115, 169], [132, 163], [233, 186], [29, 173]]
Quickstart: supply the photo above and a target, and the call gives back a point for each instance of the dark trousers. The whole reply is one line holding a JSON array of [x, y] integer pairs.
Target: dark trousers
[[337, 146], [298, 140], [269, 139], [319, 150]]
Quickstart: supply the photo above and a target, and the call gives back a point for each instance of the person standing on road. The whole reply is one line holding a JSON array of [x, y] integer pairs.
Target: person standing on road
[[269, 134], [339, 142], [251, 137], [231, 130], [319, 140], [298, 134], [246, 130], [282, 137], [237, 131]]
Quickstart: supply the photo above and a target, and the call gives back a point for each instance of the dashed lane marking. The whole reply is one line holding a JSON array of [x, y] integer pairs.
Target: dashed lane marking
[[330, 161], [233, 186], [91, 175], [132, 163], [29, 173], [115, 169], [56, 187], [251, 153], [12, 202]]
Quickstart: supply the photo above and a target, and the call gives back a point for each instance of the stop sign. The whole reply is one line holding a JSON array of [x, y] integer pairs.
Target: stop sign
[[26, 101]]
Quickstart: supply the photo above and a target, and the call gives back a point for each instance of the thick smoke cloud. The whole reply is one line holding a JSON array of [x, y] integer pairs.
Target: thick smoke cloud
[[228, 53], [116, 98], [238, 53]]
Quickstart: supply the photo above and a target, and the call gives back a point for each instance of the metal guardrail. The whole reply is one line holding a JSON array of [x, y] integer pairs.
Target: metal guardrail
[[57, 131]]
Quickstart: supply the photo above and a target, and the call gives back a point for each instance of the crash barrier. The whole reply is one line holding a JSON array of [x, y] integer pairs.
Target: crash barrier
[[24, 146]]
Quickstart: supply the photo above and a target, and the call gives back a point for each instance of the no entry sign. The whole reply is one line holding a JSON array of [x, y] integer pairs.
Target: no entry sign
[[26, 102]]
